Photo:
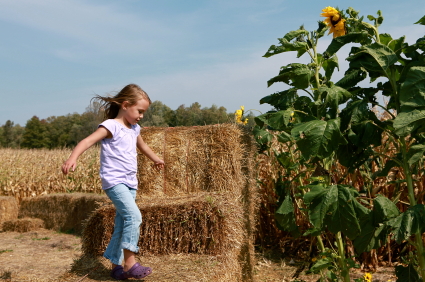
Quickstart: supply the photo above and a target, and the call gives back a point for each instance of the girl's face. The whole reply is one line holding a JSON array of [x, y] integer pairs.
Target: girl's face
[[134, 113]]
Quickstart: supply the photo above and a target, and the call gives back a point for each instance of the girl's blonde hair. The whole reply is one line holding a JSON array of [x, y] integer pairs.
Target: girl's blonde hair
[[130, 93]]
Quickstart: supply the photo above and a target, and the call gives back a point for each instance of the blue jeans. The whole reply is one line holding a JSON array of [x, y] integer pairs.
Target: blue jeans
[[127, 223]]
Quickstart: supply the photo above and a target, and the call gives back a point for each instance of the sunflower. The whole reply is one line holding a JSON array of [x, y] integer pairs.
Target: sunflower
[[239, 116], [334, 21], [367, 277]]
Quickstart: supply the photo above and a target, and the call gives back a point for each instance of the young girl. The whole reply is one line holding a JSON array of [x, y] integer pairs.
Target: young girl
[[119, 136]]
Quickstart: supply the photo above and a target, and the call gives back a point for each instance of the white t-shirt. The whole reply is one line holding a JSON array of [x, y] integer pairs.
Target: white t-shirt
[[118, 155]]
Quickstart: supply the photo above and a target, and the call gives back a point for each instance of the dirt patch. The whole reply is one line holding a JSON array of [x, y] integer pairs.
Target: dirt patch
[[37, 254], [46, 255], [274, 266]]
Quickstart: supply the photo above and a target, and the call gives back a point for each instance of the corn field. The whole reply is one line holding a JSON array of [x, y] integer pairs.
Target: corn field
[[29, 173]]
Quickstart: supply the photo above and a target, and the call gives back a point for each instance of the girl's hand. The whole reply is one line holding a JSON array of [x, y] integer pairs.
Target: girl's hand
[[158, 165], [68, 165]]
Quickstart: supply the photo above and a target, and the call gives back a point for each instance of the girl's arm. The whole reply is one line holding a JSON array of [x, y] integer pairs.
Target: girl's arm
[[144, 148], [81, 147]]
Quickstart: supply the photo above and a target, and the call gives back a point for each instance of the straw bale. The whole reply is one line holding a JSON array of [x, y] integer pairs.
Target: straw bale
[[23, 224], [205, 224], [198, 159], [215, 158], [145, 173], [250, 199], [8, 208], [62, 212]]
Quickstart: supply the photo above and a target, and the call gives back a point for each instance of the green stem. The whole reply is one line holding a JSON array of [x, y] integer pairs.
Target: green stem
[[317, 68], [319, 237], [411, 193], [368, 25], [385, 109], [393, 82], [311, 95], [321, 245], [345, 273], [375, 30], [407, 173]]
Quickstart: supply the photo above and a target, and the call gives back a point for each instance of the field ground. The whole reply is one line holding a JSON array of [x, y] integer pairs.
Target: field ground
[[46, 255]]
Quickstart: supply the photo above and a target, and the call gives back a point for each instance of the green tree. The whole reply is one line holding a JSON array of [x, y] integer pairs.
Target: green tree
[[197, 116], [35, 134], [11, 135], [7, 134], [18, 132], [158, 114], [67, 131], [215, 115]]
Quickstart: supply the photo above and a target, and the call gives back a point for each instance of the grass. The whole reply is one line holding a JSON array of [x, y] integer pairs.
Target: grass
[[5, 251], [40, 239]]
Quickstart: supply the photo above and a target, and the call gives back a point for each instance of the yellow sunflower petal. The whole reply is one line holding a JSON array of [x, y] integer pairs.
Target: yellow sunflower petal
[[334, 21], [329, 12]]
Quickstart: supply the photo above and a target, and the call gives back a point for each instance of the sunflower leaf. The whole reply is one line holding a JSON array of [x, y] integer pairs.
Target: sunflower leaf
[[279, 120], [351, 78], [333, 207], [415, 153], [286, 45], [412, 90], [374, 232], [374, 57], [329, 66], [281, 100], [407, 223], [294, 34], [421, 21], [285, 217], [318, 138], [407, 273], [338, 42], [262, 136], [407, 122], [321, 264], [333, 97], [296, 75]]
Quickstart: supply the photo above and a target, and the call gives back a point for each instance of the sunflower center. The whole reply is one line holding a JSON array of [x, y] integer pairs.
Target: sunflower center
[[335, 19]]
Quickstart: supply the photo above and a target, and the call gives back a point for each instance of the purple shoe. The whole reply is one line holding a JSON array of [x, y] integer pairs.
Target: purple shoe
[[137, 271], [118, 273]]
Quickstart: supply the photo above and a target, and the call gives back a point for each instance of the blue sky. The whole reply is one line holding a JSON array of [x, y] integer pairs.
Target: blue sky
[[55, 55]]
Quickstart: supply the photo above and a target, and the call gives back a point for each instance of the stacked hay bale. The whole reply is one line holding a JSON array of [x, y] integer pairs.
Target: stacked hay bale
[[23, 224], [62, 212], [201, 203], [8, 209]]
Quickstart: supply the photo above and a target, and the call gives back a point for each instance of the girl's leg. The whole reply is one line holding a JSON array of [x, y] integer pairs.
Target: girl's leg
[[129, 259], [123, 199], [114, 251]]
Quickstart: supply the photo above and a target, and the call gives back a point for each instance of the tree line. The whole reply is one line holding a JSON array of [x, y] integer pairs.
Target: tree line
[[68, 130]]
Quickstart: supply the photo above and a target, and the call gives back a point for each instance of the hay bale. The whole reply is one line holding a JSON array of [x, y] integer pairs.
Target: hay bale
[[198, 159], [23, 224], [62, 212], [8, 208], [205, 224], [214, 158]]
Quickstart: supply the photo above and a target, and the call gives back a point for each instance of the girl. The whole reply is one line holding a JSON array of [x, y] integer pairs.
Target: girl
[[119, 136]]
